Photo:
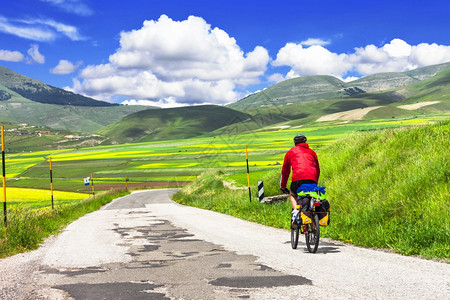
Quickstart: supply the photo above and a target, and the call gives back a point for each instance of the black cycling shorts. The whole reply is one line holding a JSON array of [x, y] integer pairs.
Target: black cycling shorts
[[296, 184]]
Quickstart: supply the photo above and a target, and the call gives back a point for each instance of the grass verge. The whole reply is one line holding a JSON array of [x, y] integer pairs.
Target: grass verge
[[388, 189], [27, 228]]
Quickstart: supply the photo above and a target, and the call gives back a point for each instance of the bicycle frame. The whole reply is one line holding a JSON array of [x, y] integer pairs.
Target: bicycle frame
[[310, 223]]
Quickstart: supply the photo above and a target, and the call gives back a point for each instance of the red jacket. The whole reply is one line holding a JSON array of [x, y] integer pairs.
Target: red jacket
[[304, 163]]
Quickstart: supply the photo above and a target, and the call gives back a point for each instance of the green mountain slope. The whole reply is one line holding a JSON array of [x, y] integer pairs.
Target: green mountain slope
[[383, 81], [294, 90], [25, 100], [309, 88], [75, 118], [38, 91], [387, 81], [436, 88], [172, 123], [428, 71], [290, 103], [434, 92]]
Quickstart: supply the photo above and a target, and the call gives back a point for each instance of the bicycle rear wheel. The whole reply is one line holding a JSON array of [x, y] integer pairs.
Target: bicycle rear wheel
[[312, 235], [294, 236]]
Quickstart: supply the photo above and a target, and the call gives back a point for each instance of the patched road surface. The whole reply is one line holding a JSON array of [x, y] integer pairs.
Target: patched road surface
[[145, 246]]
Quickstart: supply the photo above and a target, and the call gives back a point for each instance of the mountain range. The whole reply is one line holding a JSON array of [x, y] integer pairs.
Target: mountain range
[[292, 102], [13, 84], [329, 87], [26, 100]]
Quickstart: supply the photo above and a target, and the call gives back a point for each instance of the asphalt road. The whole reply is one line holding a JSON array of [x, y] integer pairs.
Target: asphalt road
[[144, 246]]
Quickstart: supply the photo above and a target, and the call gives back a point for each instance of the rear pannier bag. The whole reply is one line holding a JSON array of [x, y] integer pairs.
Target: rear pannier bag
[[324, 213]]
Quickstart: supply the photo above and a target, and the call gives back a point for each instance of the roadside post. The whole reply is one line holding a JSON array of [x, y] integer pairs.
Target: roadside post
[[92, 181], [86, 183], [248, 175], [51, 179], [260, 191], [126, 182], [4, 174]]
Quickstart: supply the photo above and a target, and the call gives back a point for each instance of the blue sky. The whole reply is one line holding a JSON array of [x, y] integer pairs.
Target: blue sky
[[184, 52]]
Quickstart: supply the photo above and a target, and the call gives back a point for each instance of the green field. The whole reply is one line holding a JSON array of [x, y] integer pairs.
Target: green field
[[172, 163], [36, 198]]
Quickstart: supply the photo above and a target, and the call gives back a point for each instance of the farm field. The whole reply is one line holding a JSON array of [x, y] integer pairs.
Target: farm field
[[38, 198], [174, 163]]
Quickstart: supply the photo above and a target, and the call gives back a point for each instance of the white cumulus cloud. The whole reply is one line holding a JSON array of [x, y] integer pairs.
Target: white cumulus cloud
[[163, 103], [313, 60], [35, 55], [14, 56], [65, 67], [185, 61], [429, 54], [276, 77], [314, 41], [395, 56]]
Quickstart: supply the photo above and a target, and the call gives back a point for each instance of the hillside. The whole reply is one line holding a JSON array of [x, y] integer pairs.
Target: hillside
[[309, 88], [435, 88], [26, 100], [294, 90], [67, 117], [387, 81], [171, 123], [38, 91], [430, 97], [427, 97], [293, 102], [389, 104], [388, 189]]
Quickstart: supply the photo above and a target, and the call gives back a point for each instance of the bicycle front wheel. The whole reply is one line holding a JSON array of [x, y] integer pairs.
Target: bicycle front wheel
[[312, 235]]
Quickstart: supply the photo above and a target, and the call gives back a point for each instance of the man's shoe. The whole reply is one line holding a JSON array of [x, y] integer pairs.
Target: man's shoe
[[294, 215]]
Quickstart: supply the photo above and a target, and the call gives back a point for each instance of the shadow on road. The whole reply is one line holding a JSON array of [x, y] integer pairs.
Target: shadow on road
[[324, 247]]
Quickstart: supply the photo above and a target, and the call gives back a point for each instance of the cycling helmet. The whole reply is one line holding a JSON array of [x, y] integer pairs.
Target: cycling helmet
[[299, 138]]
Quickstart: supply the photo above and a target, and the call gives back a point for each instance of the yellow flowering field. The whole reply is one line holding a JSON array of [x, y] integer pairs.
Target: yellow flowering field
[[39, 197]]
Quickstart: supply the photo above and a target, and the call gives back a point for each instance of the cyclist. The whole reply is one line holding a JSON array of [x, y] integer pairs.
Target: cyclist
[[305, 169]]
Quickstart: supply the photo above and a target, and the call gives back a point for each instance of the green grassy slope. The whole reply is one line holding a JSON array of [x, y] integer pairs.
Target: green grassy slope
[[428, 71], [383, 81], [388, 189], [173, 123], [76, 118], [436, 88], [26, 100], [294, 90], [309, 88], [395, 80], [38, 91]]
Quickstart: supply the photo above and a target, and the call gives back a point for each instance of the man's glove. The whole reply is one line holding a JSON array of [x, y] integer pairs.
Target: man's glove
[[285, 191]]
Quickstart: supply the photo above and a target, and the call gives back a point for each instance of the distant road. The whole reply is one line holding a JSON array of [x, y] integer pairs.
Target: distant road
[[145, 246]]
